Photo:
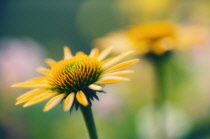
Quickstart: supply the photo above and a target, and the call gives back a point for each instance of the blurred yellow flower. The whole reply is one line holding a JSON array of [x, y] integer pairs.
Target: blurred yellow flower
[[156, 38], [75, 79]]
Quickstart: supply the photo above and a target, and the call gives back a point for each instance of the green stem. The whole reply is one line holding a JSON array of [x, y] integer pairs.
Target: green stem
[[89, 121], [160, 96], [160, 82]]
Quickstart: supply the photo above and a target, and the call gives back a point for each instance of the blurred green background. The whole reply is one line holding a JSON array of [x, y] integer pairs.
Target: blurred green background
[[31, 31]]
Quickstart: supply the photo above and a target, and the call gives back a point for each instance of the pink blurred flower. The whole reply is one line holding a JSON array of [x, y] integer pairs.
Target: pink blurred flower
[[18, 58]]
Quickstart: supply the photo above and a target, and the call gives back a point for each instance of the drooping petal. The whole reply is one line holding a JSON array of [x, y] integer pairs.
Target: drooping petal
[[104, 53], [39, 79], [117, 73], [53, 102], [94, 52], [30, 92], [111, 79], [40, 98], [29, 95], [68, 101], [32, 85], [43, 70], [122, 65], [67, 53], [116, 59], [81, 98], [108, 60], [50, 62], [95, 87]]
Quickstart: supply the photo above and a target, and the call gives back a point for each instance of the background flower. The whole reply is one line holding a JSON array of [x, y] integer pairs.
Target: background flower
[[156, 37]]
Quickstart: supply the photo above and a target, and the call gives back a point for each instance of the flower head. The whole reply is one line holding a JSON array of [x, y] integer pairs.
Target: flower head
[[156, 38], [75, 79]]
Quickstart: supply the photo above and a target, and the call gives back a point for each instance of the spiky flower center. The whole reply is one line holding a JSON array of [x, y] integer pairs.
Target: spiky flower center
[[74, 74]]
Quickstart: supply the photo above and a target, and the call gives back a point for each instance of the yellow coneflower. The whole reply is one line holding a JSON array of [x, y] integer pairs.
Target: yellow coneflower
[[157, 37], [74, 80], [152, 38]]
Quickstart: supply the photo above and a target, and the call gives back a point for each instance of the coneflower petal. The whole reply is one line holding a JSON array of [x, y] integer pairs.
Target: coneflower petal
[[111, 79], [68, 101], [94, 52], [67, 53], [43, 70], [29, 95], [39, 79], [81, 98], [122, 65], [50, 62], [32, 85], [104, 53], [116, 59], [117, 73], [95, 87], [53, 102], [40, 98]]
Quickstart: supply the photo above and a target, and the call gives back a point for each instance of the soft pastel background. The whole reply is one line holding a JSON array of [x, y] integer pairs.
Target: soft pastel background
[[31, 31]]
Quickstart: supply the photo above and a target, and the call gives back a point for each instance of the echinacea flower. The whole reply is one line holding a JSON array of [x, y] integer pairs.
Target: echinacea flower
[[75, 80], [156, 38]]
